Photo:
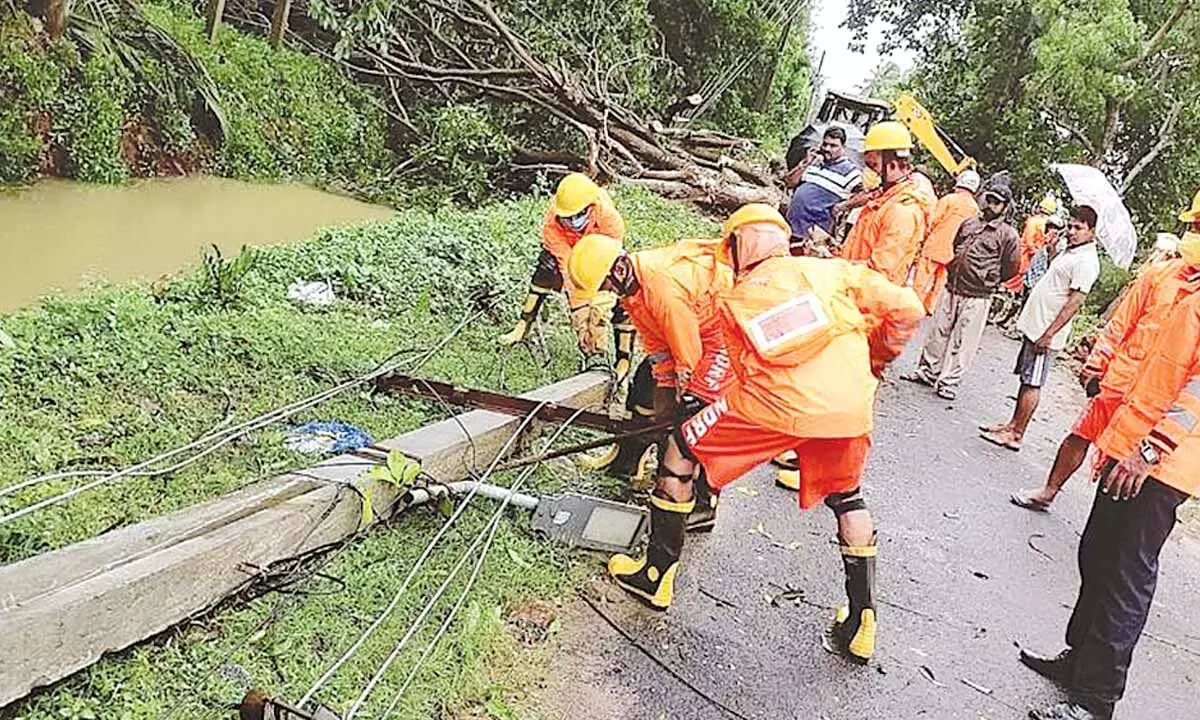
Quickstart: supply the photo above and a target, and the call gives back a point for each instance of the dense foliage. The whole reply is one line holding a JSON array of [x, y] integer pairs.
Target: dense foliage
[[97, 112], [1022, 83]]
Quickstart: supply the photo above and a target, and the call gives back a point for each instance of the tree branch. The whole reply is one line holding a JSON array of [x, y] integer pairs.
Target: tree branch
[[1181, 8], [1112, 123], [1166, 139], [1074, 132]]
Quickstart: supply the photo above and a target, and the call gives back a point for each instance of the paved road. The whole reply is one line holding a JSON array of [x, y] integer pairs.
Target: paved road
[[961, 587]]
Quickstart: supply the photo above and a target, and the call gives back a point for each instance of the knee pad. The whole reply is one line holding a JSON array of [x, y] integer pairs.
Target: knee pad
[[547, 273], [842, 503]]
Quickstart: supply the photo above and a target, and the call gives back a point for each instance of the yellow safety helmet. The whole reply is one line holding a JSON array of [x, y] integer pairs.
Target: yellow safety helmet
[[1049, 204], [575, 192], [888, 135], [751, 213], [1192, 214], [590, 263]]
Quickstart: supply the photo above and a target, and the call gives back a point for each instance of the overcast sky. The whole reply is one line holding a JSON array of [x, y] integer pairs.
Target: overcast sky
[[843, 69]]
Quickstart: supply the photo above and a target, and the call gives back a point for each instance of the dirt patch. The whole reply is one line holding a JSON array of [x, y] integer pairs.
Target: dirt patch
[[531, 621]]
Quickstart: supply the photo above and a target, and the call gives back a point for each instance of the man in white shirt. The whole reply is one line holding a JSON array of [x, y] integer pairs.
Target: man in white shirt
[[1045, 322]]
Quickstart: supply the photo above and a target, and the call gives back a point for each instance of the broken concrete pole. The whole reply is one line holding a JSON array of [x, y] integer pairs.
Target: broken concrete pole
[[61, 611]]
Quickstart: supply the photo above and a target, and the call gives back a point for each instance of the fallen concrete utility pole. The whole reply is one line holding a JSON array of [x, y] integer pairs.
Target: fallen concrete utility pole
[[61, 611]]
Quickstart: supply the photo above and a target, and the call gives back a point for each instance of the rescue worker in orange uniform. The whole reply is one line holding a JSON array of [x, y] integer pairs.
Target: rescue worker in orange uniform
[[1033, 239], [668, 295], [1112, 365], [890, 227], [579, 207], [808, 339], [938, 249], [1151, 464]]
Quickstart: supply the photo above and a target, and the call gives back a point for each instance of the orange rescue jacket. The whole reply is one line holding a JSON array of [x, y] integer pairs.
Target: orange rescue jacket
[[673, 309], [1033, 238], [803, 336], [557, 239], [889, 230], [1136, 322], [948, 216], [1163, 405]]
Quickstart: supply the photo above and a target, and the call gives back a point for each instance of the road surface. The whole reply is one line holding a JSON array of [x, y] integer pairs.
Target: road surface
[[965, 579]]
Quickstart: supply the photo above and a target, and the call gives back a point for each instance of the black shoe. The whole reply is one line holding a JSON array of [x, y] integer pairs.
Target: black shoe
[[1057, 669], [1067, 711]]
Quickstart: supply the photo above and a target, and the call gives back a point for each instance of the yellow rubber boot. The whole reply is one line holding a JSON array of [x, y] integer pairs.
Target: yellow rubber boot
[[789, 470], [529, 311], [651, 578], [854, 625]]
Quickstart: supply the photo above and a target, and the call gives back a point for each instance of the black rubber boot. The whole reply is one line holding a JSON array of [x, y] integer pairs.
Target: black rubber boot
[[704, 517], [854, 627], [1059, 669], [651, 578]]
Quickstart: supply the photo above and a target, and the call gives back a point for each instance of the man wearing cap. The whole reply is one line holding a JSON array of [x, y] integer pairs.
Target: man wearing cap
[[948, 215], [986, 250]]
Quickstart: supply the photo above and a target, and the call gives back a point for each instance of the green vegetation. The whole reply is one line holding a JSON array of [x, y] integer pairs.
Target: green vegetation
[[1023, 83], [99, 107], [118, 374]]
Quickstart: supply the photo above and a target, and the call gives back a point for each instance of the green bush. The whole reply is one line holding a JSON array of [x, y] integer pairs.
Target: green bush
[[93, 116], [1112, 280]]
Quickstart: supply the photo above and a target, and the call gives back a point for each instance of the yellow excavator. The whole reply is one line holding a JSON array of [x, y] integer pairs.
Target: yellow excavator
[[920, 123]]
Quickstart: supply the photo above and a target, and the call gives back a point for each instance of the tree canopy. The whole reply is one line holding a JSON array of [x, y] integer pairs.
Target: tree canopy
[[1023, 83]]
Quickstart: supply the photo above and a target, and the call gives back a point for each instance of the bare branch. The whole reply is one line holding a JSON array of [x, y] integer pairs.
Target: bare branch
[[1182, 7], [1166, 139]]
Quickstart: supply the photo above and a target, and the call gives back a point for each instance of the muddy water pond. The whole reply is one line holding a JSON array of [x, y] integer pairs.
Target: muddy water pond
[[57, 234]]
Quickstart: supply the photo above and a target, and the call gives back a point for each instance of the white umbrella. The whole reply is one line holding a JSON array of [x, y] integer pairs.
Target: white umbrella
[[1088, 186]]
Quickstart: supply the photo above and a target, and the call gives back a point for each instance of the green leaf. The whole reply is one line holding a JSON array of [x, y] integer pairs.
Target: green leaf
[[446, 505]]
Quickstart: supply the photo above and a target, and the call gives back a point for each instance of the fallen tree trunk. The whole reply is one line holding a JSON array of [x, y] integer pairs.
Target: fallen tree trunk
[[464, 50]]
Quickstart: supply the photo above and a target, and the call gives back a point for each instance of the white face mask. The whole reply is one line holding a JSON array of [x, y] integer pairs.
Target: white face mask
[[577, 222]]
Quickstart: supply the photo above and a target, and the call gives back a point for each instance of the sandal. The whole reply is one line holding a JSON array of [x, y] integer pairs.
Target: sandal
[[1029, 502], [997, 439]]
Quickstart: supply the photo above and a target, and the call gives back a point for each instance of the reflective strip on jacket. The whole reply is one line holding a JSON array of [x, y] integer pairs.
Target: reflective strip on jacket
[[1135, 323], [831, 392], [889, 231], [673, 310], [1163, 405], [558, 239]]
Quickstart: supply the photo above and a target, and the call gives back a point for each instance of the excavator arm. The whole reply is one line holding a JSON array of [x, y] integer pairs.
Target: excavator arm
[[920, 123]]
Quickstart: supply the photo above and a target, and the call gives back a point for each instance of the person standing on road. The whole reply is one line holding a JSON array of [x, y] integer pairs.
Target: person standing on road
[[1112, 365], [823, 179], [579, 207], [669, 296], [891, 226], [1150, 452], [808, 339], [985, 254], [1045, 322], [936, 253], [1033, 239]]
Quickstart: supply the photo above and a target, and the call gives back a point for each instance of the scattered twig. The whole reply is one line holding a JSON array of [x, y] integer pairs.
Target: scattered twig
[[1037, 549], [976, 687], [717, 599]]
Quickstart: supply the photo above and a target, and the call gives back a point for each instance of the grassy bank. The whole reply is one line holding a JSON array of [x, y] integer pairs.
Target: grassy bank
[[115, 375], [131, 108]]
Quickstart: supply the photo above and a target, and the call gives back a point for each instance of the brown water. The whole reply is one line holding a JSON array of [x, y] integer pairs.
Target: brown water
[[58, 233]]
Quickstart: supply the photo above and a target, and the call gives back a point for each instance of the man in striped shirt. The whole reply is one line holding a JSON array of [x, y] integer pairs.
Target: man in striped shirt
[[823, 179]]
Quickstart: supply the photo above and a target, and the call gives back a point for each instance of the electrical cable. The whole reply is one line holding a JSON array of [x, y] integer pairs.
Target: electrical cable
[[416, 567], [228, 435], [491, 526]]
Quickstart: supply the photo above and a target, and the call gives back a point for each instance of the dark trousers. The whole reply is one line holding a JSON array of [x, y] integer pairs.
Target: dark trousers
[[1118, 567]]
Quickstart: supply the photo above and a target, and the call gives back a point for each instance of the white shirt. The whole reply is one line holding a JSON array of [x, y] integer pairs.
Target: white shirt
[[1075, 268]]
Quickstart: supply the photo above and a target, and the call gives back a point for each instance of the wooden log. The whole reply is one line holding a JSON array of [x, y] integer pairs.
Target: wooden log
[[63, 610], [279, 22], [212, 18]]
